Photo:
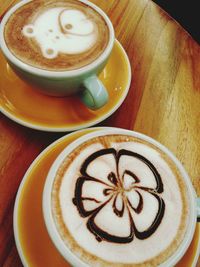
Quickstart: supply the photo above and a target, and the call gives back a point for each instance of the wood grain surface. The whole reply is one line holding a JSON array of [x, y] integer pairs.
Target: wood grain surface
[[164, 102]]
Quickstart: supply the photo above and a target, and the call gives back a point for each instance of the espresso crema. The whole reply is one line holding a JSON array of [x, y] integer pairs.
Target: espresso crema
[[119, 201], [56, 35]]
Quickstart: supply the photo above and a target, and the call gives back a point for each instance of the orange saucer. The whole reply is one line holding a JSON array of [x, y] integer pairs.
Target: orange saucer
[[21, 103], [33, 243]]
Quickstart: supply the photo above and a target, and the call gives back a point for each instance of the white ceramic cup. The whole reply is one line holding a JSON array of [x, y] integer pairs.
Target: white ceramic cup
[[194, 211], [83, 81]]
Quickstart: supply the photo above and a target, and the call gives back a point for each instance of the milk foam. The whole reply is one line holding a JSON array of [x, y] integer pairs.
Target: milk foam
[[94, 194], [62, 30]]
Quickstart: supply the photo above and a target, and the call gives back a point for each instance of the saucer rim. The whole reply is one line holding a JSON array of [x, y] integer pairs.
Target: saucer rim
[[29, 170], [23, 181], [99, 119]]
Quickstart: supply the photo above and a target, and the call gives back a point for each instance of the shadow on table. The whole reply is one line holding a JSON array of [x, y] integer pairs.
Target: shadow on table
[[186, 13]]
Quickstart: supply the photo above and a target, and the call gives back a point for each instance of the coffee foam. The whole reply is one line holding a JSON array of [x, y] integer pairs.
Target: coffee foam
[[60, 30], [73, 227], [56, 35]]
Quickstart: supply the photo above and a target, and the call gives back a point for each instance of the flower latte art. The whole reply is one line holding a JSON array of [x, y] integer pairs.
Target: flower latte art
[[56, 35], [118, 200], [125, 193]]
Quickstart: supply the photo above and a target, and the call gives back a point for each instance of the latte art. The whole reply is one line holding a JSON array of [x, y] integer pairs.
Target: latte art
[[61, 30], [118, 200], [125, 193], [57, 35]]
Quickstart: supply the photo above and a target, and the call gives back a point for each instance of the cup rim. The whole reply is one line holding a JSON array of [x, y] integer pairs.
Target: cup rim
[[46, 201], [50, 73]]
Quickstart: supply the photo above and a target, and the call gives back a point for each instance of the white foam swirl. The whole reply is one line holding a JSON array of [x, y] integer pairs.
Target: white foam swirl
[[62, 30]]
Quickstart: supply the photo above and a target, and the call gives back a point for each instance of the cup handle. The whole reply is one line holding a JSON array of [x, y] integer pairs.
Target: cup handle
[[198, 209], [94, 95]]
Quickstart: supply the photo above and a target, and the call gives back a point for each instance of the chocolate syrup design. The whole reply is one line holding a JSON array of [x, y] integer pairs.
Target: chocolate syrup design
[[117, 188]]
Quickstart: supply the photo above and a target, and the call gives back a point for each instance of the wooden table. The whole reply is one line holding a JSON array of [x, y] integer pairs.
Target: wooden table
[[163, 102]]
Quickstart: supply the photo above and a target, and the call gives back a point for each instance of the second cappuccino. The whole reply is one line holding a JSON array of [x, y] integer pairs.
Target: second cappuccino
[[117, 198]]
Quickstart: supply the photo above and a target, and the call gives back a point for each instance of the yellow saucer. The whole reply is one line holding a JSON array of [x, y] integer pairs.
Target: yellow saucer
[[21, 103], [33, 243]]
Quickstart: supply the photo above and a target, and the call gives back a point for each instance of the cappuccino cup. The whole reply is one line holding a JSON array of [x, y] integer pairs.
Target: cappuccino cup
[[59, 46], [115, 197]]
